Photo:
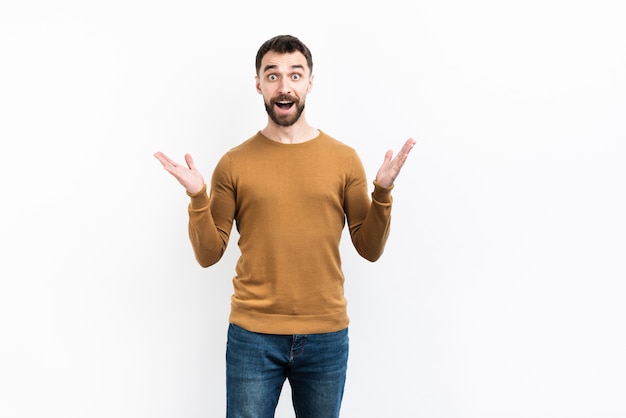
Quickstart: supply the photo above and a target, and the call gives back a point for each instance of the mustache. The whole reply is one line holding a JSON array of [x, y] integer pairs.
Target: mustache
[[284, 98]]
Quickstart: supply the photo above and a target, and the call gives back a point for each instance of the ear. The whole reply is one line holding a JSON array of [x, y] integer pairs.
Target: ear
[[308, 90], [257, 82]]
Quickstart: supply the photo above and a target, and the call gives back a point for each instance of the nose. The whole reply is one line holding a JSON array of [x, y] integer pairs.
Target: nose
[[284, 86]]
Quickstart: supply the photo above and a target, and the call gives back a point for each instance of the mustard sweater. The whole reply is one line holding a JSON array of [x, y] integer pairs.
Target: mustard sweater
[[290, 203]]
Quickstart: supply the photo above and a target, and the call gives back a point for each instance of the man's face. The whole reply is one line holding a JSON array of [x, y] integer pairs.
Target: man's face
[[284, 81]]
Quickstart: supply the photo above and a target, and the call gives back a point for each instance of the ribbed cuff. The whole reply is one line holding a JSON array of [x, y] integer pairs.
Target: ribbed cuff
[[382, 194], [200, 199]]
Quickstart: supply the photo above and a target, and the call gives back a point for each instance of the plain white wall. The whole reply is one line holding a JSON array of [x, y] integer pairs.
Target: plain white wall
[[501, 292]]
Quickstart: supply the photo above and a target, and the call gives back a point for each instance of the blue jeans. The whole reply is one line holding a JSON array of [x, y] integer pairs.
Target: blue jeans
[[258, 364]]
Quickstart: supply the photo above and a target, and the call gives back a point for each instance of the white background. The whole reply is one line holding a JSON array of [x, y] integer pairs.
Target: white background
[[501, 292]]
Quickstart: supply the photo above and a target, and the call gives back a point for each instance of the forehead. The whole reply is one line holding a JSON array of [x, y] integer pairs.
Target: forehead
[[273, 61]]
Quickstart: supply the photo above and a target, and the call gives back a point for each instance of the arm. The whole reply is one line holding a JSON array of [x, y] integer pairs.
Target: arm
[[369, 221], [208, 233]]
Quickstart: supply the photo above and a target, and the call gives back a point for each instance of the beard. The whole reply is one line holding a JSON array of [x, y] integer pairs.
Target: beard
[[284, 120]]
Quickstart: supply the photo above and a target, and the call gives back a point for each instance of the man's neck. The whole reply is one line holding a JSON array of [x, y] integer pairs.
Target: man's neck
[[294, 134]]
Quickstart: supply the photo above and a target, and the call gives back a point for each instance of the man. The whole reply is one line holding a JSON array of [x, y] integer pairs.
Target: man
[[290, 189]]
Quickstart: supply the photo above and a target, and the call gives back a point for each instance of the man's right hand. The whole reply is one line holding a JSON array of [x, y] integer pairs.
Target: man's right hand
[[188, 176]]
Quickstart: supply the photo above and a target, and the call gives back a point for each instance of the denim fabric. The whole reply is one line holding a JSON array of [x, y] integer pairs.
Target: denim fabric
[[258, 364]]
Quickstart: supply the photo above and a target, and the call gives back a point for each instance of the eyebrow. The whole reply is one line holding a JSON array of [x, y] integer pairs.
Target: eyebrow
[[270, 67]]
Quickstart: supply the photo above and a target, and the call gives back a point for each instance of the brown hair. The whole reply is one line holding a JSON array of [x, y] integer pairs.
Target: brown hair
[[283, 44]]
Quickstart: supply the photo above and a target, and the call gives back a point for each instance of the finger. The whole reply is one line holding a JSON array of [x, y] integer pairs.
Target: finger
[[408, 145], [406, 148], [190, 162], [164, 159]]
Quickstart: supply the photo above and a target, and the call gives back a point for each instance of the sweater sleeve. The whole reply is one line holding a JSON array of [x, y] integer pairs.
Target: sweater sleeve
[[211, 218], [368, 219]]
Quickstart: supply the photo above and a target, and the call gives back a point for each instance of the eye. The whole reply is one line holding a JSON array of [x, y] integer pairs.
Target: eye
[[272, 77], [295, 77]]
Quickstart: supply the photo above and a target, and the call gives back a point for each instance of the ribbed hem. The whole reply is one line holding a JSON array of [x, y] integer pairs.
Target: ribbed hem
[[288, 324]]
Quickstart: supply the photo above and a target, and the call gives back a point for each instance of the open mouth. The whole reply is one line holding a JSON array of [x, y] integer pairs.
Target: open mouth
[[283, 104]]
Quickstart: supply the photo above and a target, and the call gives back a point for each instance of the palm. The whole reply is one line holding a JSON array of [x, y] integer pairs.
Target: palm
[[389, 170], [188, 175]]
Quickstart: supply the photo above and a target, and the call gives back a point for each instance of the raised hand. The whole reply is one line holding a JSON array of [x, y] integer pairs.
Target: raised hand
[[390, 168], [188, 175]]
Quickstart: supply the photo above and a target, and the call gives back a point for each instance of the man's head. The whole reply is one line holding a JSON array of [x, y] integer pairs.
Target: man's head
[[284, 78]]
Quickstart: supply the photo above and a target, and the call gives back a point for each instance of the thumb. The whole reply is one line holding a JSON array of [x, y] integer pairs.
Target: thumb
[[388, 156], [189, 161]]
